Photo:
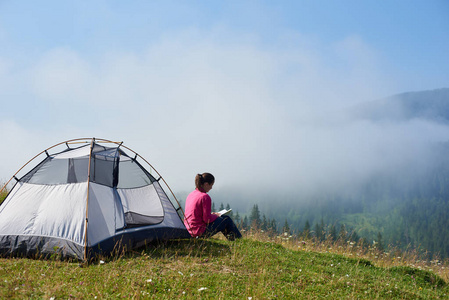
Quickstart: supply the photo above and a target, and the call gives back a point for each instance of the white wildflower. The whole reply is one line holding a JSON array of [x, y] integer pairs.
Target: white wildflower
[[202, 289], [101, 262], [180, 273], [149, 280]]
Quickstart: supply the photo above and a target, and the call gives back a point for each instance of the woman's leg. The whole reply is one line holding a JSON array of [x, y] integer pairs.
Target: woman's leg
[[225, 225]]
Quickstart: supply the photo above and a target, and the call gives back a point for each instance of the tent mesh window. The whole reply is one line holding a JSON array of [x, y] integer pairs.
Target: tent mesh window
[[133, 175], [58, 171], [135, 186], [110, 167]]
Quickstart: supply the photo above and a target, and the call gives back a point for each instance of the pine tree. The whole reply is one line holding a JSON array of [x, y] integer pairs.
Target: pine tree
[[221, 206], [306, 231], [323, 230], [379, 242], [231, 213], [273, 226], [245, 223], [342, 234], [286, 228], [237, 218], [213, 207], [318, 231], [354, 236], [254, 218], [264, 225], [333, 233]]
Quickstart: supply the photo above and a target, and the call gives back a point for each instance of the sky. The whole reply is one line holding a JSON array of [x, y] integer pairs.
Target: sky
[[254, 92]]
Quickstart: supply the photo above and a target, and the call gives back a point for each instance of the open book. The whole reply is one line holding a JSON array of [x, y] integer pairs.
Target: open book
[[224, 212]]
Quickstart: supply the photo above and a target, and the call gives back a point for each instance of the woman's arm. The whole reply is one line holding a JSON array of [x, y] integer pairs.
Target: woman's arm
[[208, 216]]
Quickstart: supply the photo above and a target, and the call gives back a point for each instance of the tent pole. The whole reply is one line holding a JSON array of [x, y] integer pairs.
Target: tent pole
[[35, 158], [87, 200], [84, 140], [176, 199], [138, 155]]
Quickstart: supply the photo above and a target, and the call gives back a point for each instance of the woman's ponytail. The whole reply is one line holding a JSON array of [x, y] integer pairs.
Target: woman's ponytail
[[201, 179]]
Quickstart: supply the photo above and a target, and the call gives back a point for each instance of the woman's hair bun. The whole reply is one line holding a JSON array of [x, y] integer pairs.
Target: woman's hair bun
[[200, 179]]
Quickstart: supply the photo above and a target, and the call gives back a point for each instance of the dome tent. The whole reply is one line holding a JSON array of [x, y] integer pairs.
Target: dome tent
[[91, 197]]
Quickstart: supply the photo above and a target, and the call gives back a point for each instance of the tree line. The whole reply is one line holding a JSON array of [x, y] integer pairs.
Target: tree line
[[320, 230], [403, 212]]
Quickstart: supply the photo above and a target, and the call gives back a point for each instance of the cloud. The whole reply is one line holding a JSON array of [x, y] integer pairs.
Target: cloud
[[61, 75], [19, 145], [260, 117]]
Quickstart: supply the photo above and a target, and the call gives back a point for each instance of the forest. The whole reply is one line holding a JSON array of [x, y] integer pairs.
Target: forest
[[407, 208], [415, 215], [414, 218]]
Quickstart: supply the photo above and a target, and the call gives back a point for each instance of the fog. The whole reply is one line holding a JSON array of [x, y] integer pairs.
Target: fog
[[263, 119]]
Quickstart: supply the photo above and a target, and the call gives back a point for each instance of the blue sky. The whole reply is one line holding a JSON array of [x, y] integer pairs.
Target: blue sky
[[218, 86], [405, 33]]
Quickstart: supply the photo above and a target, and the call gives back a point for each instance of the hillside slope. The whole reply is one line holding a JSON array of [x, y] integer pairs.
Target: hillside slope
[[217, 269], [430, 105]]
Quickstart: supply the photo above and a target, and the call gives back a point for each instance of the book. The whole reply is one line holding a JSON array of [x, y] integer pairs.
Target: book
[[224, 212]]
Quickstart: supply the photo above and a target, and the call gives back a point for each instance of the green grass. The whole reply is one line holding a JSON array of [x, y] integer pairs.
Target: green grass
[[218, 269], [2, 193]]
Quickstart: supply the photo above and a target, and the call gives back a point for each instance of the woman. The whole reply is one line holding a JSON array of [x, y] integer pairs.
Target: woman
[[199, 219]]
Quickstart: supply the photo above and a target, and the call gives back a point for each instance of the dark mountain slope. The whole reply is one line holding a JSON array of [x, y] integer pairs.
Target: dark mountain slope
[[430, 105]]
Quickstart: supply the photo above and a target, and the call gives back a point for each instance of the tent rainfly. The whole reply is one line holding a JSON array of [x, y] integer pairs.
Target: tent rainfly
[[91, 197]]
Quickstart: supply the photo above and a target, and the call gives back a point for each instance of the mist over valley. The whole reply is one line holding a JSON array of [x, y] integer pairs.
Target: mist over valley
[[392, 177]]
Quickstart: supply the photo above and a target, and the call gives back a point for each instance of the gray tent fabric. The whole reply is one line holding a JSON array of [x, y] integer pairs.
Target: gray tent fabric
[[58, 208]]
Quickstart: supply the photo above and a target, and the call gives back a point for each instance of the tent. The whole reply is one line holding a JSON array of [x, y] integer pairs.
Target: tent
[[90, 197]]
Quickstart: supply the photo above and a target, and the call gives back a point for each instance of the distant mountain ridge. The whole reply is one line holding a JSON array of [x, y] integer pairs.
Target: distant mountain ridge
[[430, 105]]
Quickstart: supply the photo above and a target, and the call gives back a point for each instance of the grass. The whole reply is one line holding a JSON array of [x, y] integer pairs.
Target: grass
[[251, 268], [392, 257], [260, 266], [3, 193]]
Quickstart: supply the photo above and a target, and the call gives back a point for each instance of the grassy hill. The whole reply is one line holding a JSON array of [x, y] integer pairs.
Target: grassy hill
[[251, 268]]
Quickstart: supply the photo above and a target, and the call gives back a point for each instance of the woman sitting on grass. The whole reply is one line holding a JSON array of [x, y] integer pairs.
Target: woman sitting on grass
[[199, 219]]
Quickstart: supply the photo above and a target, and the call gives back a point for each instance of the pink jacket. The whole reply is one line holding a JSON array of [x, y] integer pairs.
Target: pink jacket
[[198, 212]]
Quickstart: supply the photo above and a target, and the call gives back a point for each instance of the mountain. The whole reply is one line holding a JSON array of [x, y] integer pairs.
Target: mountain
[[408, 205], [430, 105]]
